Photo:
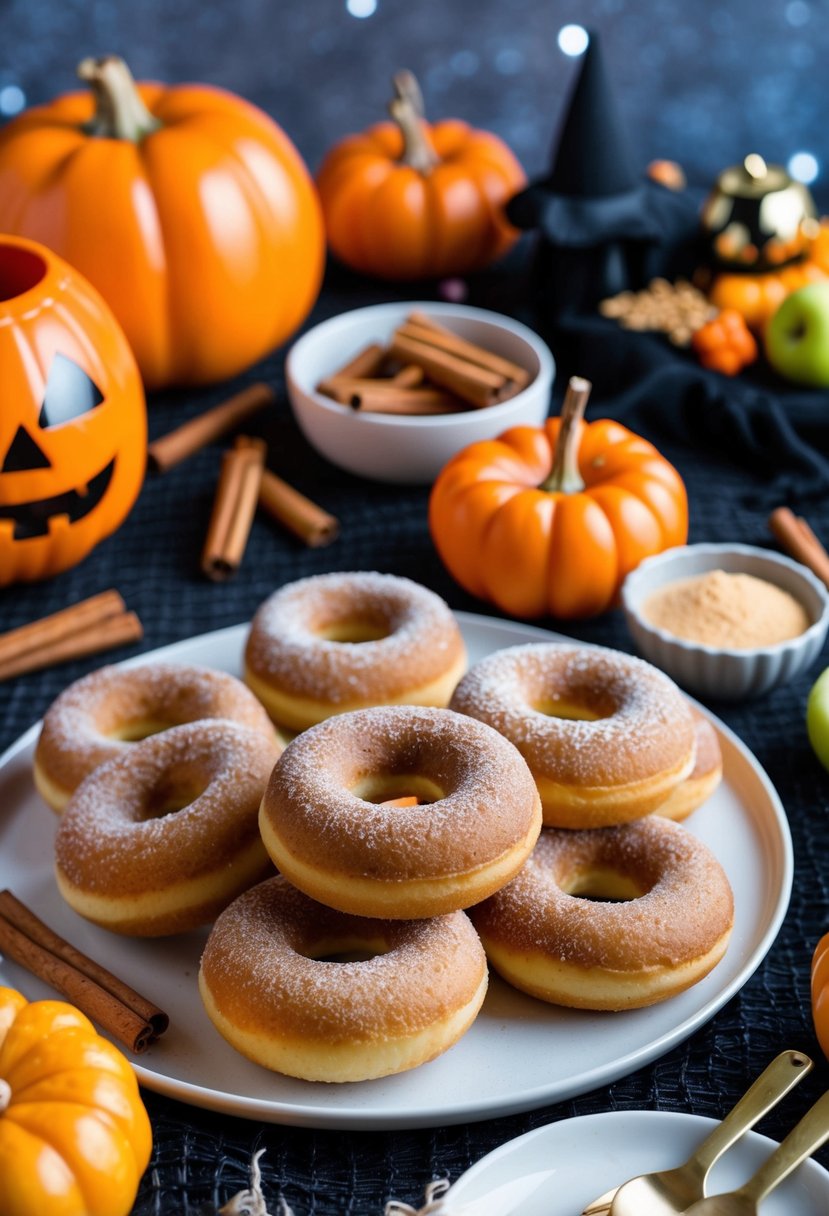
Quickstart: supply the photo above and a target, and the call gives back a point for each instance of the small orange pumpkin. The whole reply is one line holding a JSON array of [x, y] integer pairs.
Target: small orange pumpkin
[[820, 993], [550, 520], [74, 1135], [758, 296], [406, 200], [73, 426], [189, 210]]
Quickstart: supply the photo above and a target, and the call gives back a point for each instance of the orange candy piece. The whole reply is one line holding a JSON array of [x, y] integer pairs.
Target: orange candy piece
[[725, 344]]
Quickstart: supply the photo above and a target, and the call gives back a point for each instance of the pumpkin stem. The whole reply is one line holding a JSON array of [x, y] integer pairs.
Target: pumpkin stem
[[565, 477], [119, 111], [407, 110], [5, 1094]]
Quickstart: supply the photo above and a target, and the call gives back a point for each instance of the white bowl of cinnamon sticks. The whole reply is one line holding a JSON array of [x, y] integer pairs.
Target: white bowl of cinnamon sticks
[[392, 391]]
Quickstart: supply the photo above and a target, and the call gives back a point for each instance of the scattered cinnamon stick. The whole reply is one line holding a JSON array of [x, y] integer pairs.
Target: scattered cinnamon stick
[[800, 542], [177, 445], [121, 1011], [297, 513], [59, 625], [85, 628], [234, 506]]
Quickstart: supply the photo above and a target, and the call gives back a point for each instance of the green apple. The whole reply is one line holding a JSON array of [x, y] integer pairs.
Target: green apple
[[797, 337], [817, 718]]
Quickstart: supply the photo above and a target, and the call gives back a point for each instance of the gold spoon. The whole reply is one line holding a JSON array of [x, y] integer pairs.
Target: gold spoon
[[801, 1142], [668, 1192]]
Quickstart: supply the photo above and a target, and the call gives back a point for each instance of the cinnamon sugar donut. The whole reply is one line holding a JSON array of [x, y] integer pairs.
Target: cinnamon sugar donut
[[101, 715], [272, 993], [547, 934], [325, 828], [337, 642], [703, 779], [607, 737], [161, 838]]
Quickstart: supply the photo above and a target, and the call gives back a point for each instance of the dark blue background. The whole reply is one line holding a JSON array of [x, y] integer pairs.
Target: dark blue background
[[700, 82]]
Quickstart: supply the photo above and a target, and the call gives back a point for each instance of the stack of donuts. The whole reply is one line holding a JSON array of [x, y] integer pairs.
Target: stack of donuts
[[388, 816]]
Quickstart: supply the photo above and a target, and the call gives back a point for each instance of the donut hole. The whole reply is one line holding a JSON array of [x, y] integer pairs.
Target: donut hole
[[559, 707], [388, 787], [175, 789], [602, 885], [353, 630], [346, 949], [134, 732]]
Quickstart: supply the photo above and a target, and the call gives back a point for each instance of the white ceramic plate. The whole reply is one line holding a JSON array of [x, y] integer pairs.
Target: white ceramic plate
[[573, 1162], [518, 1055]]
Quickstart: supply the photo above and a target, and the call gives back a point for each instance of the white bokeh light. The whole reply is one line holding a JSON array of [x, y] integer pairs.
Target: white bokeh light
[[12, 99], [804, 167], [573, 39], [361, 8]]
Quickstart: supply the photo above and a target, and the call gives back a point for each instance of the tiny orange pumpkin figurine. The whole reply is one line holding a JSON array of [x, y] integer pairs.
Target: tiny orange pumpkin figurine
[[409, 200], [74, 1135], [725, 344], [820, 993], [550, 520], [188, 208], [73, 425]]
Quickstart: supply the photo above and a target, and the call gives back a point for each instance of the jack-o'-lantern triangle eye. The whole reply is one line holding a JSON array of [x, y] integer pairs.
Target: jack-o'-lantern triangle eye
[[70, 393]]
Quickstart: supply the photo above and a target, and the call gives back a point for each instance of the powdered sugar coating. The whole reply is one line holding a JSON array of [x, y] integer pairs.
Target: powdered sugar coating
[[115, 837], [284, 648], [489, 803], [645, 724], [257, 967], [75, 737], [686, 908]]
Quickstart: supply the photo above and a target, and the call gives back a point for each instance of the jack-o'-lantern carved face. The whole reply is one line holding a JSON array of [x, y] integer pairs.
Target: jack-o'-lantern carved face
[[72, 415]]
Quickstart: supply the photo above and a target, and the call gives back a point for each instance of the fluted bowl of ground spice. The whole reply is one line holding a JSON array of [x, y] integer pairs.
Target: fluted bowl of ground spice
[[726, 621]]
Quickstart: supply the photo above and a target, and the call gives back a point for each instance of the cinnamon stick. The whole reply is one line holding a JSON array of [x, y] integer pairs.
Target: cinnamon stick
[[800, 542], [59, 625], [121, 1011], [297, 513], [234, 506], [114, 631], [409, 376], [177, 445], [476, 385], [377, 397], [418, 324]]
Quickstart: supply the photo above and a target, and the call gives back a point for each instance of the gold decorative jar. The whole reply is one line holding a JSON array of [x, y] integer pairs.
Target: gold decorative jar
[[758, 217]]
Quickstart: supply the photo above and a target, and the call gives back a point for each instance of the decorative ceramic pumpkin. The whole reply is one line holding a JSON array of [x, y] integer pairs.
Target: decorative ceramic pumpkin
[[188, 208], [74, 1135], [550, 520], [406, 200], [73, 425], [820, 993]]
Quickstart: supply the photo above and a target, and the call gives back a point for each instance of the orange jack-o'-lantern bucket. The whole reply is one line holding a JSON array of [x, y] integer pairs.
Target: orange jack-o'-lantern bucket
[[73, 425]]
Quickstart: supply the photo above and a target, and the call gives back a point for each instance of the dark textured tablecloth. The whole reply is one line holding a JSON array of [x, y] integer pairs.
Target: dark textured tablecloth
[[200, 1158]]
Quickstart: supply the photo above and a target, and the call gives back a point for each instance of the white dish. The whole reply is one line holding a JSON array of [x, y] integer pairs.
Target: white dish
[[579, 1159], [715, 671], [406, 448], [519, 1054]]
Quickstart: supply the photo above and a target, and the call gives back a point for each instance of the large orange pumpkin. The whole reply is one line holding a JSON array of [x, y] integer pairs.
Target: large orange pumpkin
[[550, 520], [188, 208], [73, 426], [74, 1135], [406, 200]]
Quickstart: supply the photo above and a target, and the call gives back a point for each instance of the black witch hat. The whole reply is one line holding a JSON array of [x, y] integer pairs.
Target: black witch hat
[[592, 198]]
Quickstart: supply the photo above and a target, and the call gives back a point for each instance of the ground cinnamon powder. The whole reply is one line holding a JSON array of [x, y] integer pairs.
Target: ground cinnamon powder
[[734, 611]]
